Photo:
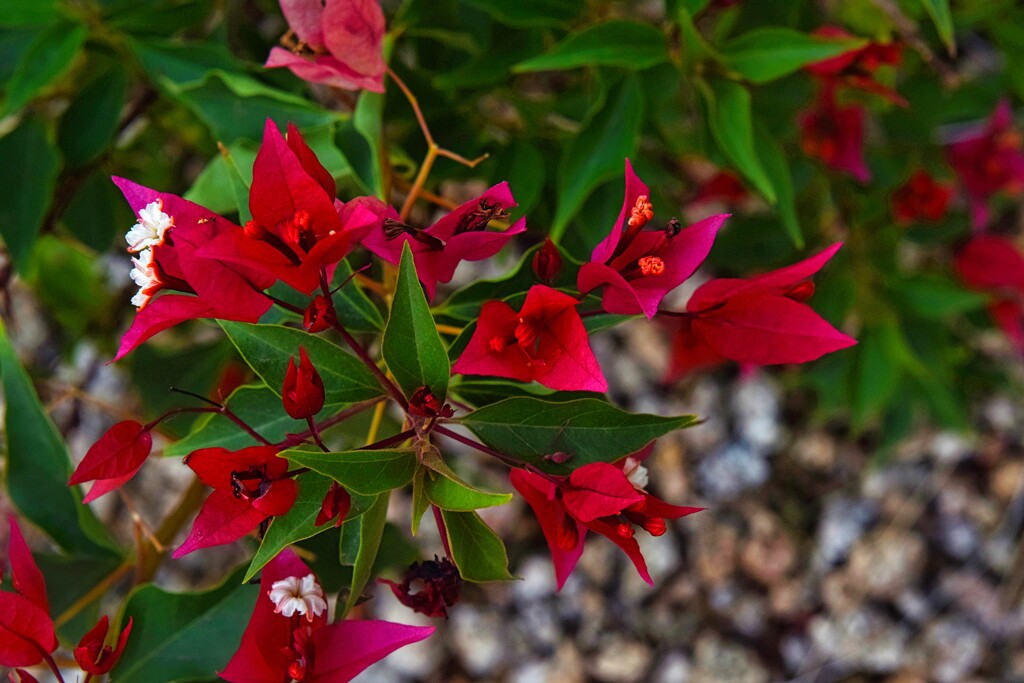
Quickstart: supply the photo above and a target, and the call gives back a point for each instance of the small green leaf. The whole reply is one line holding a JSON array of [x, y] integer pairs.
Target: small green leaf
[[476, 550], [731, 125], [765, 54], [239, 185], [90, 122], [589, 430], [49, 56], [942, 17], [184, 636], [935, 297], [371, 529], [299, 522], [268, 349], [411, 346], [38, 466], [774, 160], [29, 165], [366, 472], [597, 153], [626, 44], [447, 491]]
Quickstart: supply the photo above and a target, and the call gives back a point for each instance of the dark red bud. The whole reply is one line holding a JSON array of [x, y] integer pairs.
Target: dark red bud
[[93, 656], [336, 505], [303, 389], [547, 262], [802, 291], [423, 403], [319, 315], [558, 457], [429, 587]]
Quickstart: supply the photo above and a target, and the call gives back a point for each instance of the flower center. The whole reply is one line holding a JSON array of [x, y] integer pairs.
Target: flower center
[[151, 227], [477, 219], [251, 483], [651, 266], [641, 212]]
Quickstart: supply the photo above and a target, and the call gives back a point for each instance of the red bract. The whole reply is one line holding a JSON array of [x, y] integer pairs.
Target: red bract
[[168, 241], [835, 135], [547, 262], [297, 227], [856, 68], [760, 320], [114, 458], [26, 629], [22, 676], [303, 390], [598, 497], [429, 587], [988, 159], [639, 267], [302, 646], [920, 198], [249, 486], [339, 43], [462, 235], [335, 505], [93, 656], [995, 265], [544, 342]]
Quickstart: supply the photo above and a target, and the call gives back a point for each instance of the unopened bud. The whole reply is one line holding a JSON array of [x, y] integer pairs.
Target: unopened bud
[[303, 389], [547, 262]]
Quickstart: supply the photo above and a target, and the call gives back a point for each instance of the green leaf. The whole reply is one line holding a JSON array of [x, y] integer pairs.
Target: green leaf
[[71, 284], [626, 44], [589, 430], [268, 349], [527, 13], [49, 57], [476, 550], [765, 54], [38, 466], [730, 120], [879, 370], [214, 187], [420, 502], [299, 523], [943, 20], [90, 122], [355, 310], [411, 346], [774, 160], [184, 636], [596, 154], [447, 491], [367, 121], [370, 530], [935, 297], [96, 212], [27, 12], [366, 472], [28, 173]]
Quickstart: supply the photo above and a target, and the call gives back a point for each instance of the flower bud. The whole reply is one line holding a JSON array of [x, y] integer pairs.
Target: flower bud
[[335, 506], [303, 390], [319, 315], [93, 656], [547, 262], [429, 587], [423, 403]]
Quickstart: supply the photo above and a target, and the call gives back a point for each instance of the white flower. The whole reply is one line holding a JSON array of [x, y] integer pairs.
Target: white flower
[[298, 596], [635, 472], [145, 275], [150, 229]]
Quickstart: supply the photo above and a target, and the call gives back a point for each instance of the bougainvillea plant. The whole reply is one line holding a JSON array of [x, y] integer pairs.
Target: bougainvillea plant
[[367, 380]]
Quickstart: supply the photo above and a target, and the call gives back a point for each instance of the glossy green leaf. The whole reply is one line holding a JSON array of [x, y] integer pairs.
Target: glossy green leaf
[[184, 636], [366, 472], [765, 54], [476, 550], [268, 349], [97, 213], [367, 120], [774, 160], [596, 154], [589, 430], [942, 17], [89, 124], [729, 118], [626, 44], [370, 529], [355, 310], [879, 370], [530, 12], [29, 164], [411, 346], [447, 491], [38, 466], [46, 60], [935, 297], [299, 523], [71, 284]]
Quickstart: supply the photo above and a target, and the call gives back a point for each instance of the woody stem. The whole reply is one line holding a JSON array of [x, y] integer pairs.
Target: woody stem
[[487, 450]]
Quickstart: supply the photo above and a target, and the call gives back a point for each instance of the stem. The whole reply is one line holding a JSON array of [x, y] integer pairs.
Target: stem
[[487, 450], [214, 408], [421, 178], [392, 389], [353, 409], [53, 666], [448, 329], [390, 441], [378, 417], [372, 285], [442, 531], [95, 592], [316, 435]]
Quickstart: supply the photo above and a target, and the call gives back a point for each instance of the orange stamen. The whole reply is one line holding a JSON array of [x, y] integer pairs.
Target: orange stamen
[[651, 266]]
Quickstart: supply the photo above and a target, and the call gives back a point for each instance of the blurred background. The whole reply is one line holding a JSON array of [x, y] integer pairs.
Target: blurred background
[[864, 510]]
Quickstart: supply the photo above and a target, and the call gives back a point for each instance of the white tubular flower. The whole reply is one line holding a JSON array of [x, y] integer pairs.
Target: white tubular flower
[[298, 596], [635, 472], [150, 229], [145, 275]]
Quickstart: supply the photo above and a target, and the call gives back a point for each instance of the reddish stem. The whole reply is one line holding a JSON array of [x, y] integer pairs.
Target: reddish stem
[[442, 531]]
